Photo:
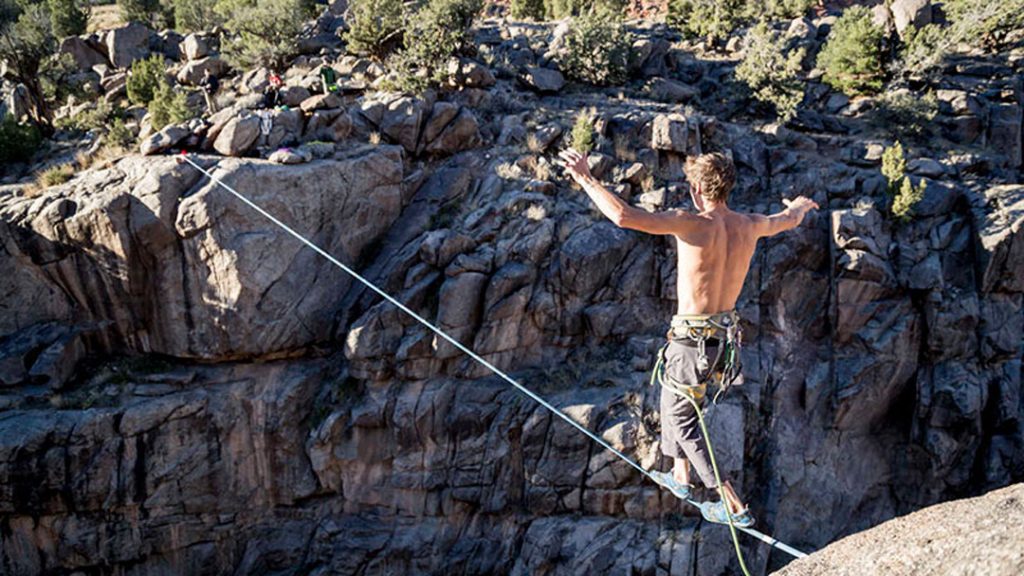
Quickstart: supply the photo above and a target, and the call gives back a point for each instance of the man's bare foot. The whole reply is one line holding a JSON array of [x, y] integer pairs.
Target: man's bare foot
[[681, 471], [736, 505]]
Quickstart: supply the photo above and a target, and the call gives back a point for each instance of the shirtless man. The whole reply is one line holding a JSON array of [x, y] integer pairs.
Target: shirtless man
[[715, 246]]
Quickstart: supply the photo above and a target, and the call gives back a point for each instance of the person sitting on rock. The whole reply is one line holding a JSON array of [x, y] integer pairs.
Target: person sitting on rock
[[209, 84], [273, 91], [714, 249]]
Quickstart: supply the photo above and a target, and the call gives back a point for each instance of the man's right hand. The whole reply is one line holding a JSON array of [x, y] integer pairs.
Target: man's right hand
[[800, 205]]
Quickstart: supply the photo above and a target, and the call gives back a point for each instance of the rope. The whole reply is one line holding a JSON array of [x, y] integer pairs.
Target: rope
[[764, 538], [721, 490]]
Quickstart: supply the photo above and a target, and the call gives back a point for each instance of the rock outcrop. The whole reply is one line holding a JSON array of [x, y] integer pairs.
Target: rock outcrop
[[177, 266], [972, 536]]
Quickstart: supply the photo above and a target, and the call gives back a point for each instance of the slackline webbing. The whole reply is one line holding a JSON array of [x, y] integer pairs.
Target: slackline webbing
[[756, 534]]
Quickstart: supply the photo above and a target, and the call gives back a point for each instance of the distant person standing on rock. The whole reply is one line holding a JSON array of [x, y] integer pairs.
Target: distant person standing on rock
[[209, 84], [328, 79], [714, 249]]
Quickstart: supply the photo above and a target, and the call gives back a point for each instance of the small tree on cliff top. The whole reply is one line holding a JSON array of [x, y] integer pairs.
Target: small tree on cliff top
[[771, 72], [852, 56]]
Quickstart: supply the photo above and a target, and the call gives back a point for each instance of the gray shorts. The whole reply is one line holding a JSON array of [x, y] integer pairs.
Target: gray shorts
[[680, 428]]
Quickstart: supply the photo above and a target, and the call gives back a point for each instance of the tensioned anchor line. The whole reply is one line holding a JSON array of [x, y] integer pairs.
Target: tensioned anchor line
[[756, 534]]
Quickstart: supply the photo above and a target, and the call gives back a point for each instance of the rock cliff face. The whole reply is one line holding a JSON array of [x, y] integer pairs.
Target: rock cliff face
[[169, 262], [186, 389]]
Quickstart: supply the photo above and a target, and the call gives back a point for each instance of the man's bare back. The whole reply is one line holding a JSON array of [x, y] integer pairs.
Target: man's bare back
[[712, 262]]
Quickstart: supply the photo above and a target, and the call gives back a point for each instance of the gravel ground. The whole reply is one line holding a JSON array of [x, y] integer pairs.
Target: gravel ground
[[981, 536]]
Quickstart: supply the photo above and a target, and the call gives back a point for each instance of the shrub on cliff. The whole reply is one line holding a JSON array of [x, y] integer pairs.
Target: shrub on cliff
[[986, 23], [779, 9], [17, 141], [145, 78], [530, 9], [375, 26], [26, 41], [583, 131], [904, 194], [67, 17], [95, 118], [851, 58], [894, 166], [906, 198], [712, 20], [976, 23], [436, 32], [55, 175], [118, 135], [771, 71], [262, 32], [168, 106], [149, 12], [905, 114], [195, 15], [596, 49], [558, 9]]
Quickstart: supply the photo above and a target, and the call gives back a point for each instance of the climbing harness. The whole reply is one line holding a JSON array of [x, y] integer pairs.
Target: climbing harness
[[697, 330], [441, 333], [721, 330]]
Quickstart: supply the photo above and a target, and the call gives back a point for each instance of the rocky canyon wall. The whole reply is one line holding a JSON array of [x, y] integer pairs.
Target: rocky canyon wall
[[186, 389]]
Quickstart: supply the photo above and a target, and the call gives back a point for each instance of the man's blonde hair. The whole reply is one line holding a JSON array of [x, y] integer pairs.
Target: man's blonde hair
[[714, 172]]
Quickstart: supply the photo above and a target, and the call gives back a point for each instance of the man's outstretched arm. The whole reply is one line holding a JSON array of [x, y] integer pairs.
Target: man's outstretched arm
[[788, 219], [618, 211]]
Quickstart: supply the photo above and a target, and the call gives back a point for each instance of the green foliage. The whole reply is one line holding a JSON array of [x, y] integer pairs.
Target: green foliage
[[374, 25], [145, 78], [976, 23], [778, 9], [908, 195], [852, 56], [558, 9], [67, 18], [713, 20], [148, 86], [168, 106], [583, 131], [118, 135], [150, 12], [195, 15], [771, 72], [985, 22], [529, 9], [894, 166], [906, 114], [17, 141], [24, 43], [597, 49], [923, 51], [439, 30], [57, 75], [95, 118], [262, 32], [55, 175], [904, 194]]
